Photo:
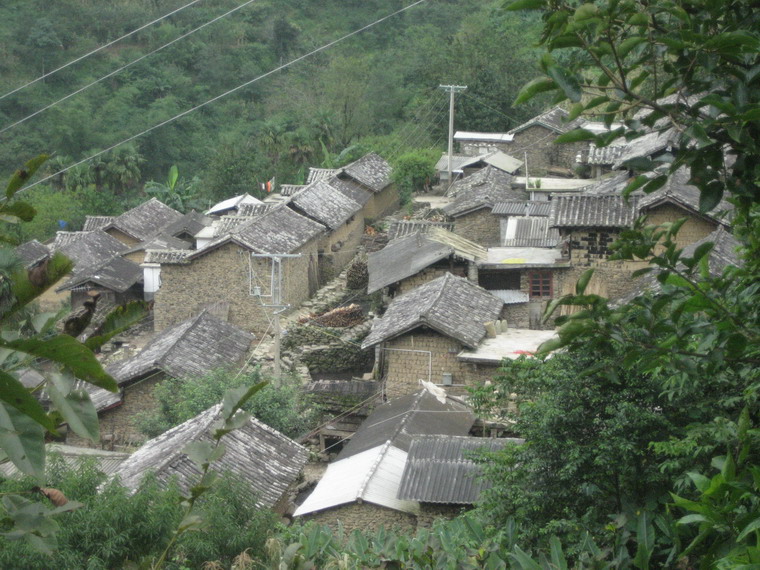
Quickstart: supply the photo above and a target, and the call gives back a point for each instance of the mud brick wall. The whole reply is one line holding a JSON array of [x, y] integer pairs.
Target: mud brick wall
[[382, 203], [338, 248], [538, 143], [693, 230], [480, 226]]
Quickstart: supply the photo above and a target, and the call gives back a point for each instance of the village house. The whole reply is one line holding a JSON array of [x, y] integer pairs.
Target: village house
[[239, 268], [115, 281], [474, 198], [136, 225], [265, 460], [343, 218], [422, 331], [231, 206], [360, 489], [479, 144], [373, 174], [464, 166], [192, 348], [410, 261], [525, 223]]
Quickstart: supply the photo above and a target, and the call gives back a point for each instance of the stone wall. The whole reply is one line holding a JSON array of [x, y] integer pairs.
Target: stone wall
[[537, 142], [364, 516], [480, 226], [403, 369], [429, 274], [590, 247], [430, 512], [224, 274], [329, 349], [338, 248], [693, 230]]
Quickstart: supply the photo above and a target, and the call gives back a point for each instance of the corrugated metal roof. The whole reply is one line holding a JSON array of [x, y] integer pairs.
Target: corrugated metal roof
[[107, 462], [450, 305], [439, 469], [232, 203], [485, 137], [403, 228], [522, 208], [373, 476], [399, 420], [510, 344], [529, 231], [262, 457], [593, 211], [503, 161], [510, 296]]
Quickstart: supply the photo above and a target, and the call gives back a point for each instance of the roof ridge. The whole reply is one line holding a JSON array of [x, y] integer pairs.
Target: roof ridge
[[194, 322], [434, 300], [371, 471]]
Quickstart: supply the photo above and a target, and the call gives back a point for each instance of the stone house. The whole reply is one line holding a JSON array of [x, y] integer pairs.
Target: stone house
[[343, 218], [373, 174], [533, 141], [232, 205], [410, 261], [360, 489], [422, 331], [588, 224], [237, 269], [474, 198], [464, 166], [192, 348], [264, 459], [136, 225], [116, 281], [524, 223]]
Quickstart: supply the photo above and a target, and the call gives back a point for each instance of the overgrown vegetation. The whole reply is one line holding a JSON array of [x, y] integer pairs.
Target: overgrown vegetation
[[284, 407]]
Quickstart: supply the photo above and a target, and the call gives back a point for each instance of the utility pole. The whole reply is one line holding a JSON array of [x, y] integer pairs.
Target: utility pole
[[276, 300], [452, 89]]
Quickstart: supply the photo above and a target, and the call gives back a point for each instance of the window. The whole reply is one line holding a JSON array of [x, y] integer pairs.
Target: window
[[540, 283]]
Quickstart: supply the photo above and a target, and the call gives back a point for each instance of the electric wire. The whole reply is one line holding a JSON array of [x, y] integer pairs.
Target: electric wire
[[226, 93], [125, 66], [96, 50]]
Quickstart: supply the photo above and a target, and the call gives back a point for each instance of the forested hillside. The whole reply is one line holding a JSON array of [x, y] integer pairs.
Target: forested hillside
[[377, 90]]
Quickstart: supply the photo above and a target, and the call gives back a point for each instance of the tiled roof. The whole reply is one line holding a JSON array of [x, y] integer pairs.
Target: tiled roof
[[96, 222], [168, 256], [325, 204], [260, 456], [290, 189], [482, 189], [233, 203], [409, 255], [605, 155], [647, 146], [440, 469], [522, 208], [497, 159], [161, 241], [403, 228], [254, 210], [191, 223], [32, 252], [87, 248], [604, 211], [611, 184], [106, 462], [281, 230], [554, 119], [320, 174], [350, 189], [452, 306], [191, 348], [371, 170], [117, 274], [145, 220]]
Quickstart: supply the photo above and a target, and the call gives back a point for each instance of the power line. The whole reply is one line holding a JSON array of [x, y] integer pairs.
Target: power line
[[123, 67], [226, 93], [96, 50], [477, 100]]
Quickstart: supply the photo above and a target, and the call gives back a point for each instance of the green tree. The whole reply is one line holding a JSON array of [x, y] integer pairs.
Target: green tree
[[413, 172]]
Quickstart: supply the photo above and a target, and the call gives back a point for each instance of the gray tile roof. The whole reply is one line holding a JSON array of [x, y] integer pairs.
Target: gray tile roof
[[191, 223], [320, 174], [488, 177], [105, 461], [403, 228], [350, 189], [450, 305], [480, 190], [168, 256], [604, 155], [32, 252], [96, 222], [371, 170], [591, 211], [677, 190], [281, 230], [191, 348], [439, 468], [325, 204], [87, 248], [161, 241], [290, 189], [522, 208], [145, 220], [409, 255], [610, 184], [117, 274], [401, 419], [497, 159], [254, 210], [724, 254], [263, 458], [647, 145], [554, 119], [531, 231]]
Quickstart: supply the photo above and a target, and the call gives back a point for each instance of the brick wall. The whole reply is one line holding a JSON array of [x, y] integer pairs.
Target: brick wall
[[693, 230], [480, 226], [590, 247], [364, 516], [338, 248], [537, 142], [404, 370], [224, 275]]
